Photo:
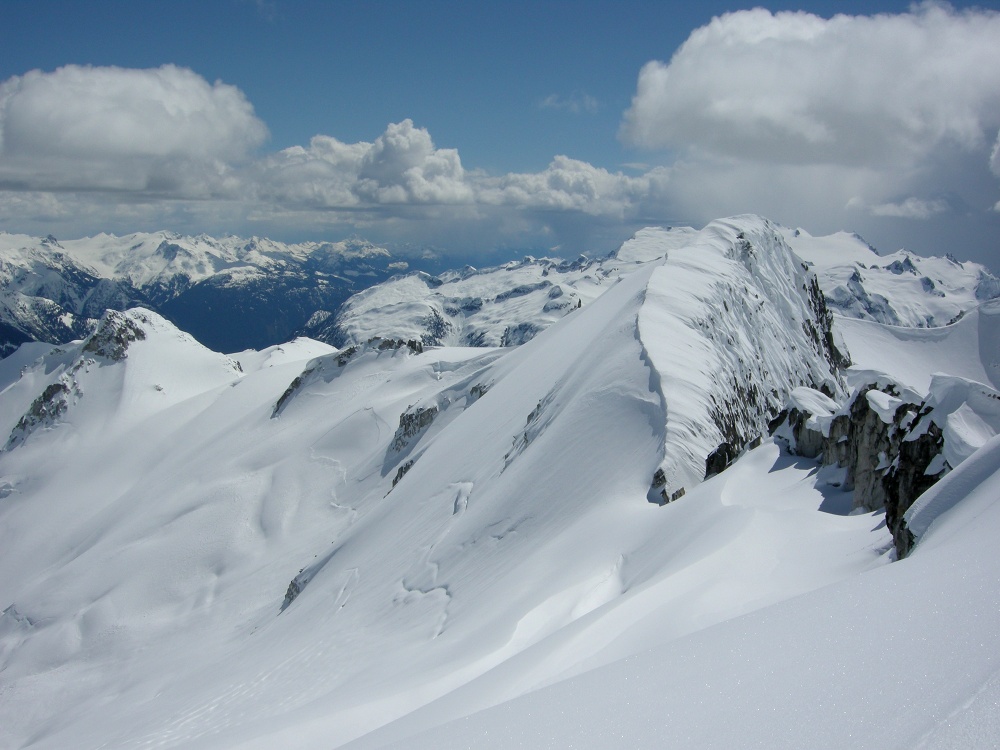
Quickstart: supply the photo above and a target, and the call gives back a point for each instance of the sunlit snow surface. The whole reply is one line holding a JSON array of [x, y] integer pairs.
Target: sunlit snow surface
[[514, 588]]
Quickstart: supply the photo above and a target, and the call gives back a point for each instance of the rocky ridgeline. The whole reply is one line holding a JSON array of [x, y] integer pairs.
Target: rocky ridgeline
[[44, 411], [891, 443], [114, 333]]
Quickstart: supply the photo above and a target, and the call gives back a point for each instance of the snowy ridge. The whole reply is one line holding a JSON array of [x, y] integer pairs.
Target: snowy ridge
[[110, 376], [453, 546], [730, 325]]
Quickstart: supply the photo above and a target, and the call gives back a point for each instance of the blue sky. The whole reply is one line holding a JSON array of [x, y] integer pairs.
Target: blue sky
[[444, 121]]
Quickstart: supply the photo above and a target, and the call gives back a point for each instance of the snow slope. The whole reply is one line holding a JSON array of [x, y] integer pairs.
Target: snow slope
[[969, 348], [455, 546], [903, 655]]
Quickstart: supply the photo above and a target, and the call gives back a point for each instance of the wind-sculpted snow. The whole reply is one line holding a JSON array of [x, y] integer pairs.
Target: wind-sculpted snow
[[730, 326]]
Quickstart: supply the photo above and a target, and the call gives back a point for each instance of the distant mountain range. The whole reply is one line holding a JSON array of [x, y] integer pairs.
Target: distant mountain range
[[234, 294], [229, 293]]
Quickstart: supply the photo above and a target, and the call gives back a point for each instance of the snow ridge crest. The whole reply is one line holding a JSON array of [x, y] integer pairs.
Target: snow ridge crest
[[731, 323]]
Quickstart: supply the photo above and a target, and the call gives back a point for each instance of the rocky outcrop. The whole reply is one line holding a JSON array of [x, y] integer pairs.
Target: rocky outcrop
[[892, 443], [43, 412], [412, 423], [115, 333]]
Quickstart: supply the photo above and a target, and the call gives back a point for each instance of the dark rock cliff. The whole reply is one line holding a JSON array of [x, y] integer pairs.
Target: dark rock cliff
[[891, 454]]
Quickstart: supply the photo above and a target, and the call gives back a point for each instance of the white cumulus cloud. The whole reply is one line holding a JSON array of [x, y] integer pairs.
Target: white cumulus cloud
[[403, 167], [796, 88], [82, 141], [807, 120], [123, 129], [573, 185], [911, 208]]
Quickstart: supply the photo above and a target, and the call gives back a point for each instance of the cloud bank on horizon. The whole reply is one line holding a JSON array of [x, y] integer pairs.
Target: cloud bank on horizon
[[850, 121]]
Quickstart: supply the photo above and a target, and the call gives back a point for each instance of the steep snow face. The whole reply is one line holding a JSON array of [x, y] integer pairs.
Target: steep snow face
[[900, 289], [731, 324]]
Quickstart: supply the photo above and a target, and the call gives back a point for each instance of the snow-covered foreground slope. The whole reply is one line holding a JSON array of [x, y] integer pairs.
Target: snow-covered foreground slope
[[900, 656], [321, 547]]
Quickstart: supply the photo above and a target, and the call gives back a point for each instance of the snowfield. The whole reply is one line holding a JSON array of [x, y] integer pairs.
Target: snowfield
[[404, 545]]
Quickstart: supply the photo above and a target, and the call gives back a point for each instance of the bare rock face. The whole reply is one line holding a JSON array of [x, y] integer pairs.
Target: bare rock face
[[43, 412], [114, 334], [870, 444], [885, 439], [411, 424]]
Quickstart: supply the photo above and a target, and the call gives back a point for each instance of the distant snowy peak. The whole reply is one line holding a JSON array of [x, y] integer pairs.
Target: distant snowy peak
[[900, 289], [502, 306], [152, 259]]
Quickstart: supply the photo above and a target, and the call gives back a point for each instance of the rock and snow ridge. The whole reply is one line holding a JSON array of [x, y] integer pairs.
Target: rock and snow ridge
[[509, 304], [727, 318], [321, 547]]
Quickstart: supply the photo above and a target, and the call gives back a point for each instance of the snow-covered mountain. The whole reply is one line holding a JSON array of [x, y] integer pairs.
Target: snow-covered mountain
[[901, 289], [399, 544], [509, 304], [230, 293]]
